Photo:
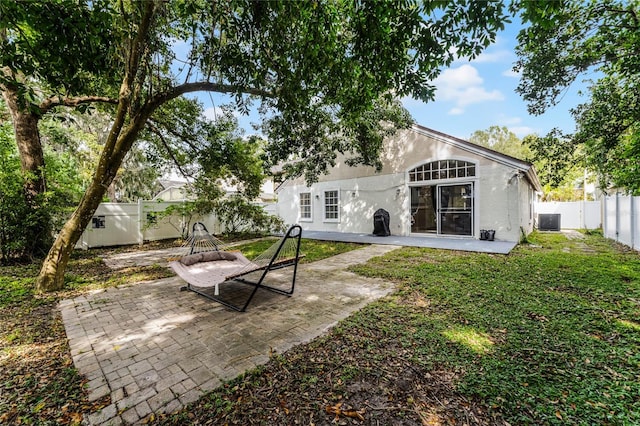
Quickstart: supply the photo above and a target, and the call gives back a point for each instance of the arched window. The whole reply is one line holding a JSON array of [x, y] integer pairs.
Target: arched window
[[442, 169]]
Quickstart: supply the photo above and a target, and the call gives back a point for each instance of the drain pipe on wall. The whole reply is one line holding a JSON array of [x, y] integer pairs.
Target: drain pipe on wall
[[516, 175]]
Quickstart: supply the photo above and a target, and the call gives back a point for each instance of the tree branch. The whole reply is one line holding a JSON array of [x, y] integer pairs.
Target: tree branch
[[158, 133], [55, 101], [629, 11], [118, 144], [153, 122], [200, 86]]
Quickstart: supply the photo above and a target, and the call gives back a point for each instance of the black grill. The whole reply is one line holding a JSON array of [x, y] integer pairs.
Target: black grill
[[381, 223]]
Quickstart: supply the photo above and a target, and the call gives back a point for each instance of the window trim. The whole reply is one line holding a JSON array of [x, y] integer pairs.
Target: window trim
[[442, 170], [337, 205], [302, 218]]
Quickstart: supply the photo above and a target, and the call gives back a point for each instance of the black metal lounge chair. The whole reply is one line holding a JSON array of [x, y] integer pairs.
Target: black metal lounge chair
[[202, 271]]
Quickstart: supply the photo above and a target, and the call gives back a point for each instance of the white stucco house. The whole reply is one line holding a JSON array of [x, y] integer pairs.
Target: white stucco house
[[432, 185]]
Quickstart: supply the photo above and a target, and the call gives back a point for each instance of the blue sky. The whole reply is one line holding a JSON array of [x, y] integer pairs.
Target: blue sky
[[472, 95]]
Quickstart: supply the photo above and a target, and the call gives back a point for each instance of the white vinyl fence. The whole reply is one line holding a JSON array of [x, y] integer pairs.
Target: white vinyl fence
[[617, 215], [133, 223], [622, 219], [574, 214]]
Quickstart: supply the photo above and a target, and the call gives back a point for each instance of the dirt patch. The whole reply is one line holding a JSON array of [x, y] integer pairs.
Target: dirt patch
[[38, 374]]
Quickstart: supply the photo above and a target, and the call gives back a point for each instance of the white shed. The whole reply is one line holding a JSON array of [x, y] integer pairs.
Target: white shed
[[432, 185], [174, 193]]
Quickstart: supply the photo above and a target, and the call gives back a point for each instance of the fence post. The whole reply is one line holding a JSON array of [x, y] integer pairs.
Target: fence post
[[139, 223], [617, 215], [603, 215], [632, 218]]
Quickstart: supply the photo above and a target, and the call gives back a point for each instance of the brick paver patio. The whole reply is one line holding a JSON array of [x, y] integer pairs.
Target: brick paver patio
[[154, 349]]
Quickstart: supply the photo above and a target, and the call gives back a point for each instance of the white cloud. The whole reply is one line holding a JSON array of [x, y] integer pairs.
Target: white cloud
[[477, 94], [492, 57], [463, 76], [514, 124], [498, 52], [511, 73], [522, 131], [212, 113], [508, 121], [463, 87]]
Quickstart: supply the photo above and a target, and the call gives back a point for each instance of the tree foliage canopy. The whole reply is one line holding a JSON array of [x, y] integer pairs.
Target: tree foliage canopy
[[559, 165], [63, 45], [501, 139], [609, 131], [321, 72], [325, 72], [62, 193], [312, 68], [567, 39]]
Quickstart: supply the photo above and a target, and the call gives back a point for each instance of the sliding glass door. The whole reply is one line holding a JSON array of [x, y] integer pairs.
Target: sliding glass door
[[442, 209], [455, 209], [424, 219]]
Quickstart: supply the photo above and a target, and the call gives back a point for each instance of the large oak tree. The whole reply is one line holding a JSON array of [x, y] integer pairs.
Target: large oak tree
[[323, 73], [51, 53], [600, 38]]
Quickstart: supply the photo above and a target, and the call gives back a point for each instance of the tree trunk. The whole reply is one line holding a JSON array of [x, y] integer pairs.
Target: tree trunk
[[51, 275], [131, 115], [25, 125]]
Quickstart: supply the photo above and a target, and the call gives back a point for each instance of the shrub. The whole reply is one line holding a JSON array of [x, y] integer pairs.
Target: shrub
[[13, 208], [238, 215]]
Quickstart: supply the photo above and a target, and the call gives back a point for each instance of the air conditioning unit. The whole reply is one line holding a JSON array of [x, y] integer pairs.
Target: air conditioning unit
[[549, 222]]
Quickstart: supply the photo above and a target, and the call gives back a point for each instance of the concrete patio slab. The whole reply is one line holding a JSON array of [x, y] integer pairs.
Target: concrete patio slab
[[464, 244], [154, 349], [159, 257]]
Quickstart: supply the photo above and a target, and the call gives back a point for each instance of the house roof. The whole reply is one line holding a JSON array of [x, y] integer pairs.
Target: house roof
[[169, 183], [525, 167]]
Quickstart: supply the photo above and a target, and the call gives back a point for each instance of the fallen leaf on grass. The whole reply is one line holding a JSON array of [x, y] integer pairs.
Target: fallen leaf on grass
[[338, 411], [537, 317], [283, 405], [75, 418], [8, 415]]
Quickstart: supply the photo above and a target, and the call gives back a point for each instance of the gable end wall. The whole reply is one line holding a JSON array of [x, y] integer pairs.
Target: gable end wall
[[501, 203]]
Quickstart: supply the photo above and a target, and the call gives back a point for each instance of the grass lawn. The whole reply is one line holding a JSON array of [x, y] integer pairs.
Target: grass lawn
[[547, 335], [312, 249]]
